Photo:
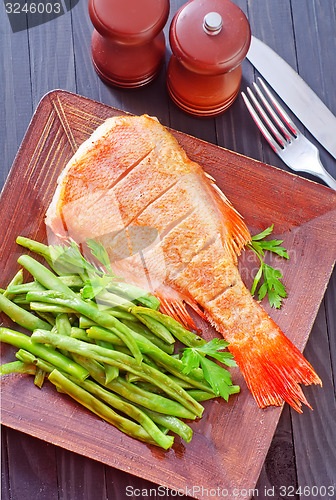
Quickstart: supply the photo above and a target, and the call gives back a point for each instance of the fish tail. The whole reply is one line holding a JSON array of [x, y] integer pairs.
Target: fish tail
[[273, 368]]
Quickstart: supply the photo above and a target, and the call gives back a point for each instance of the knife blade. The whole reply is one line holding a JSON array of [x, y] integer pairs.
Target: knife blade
[[295, 93]]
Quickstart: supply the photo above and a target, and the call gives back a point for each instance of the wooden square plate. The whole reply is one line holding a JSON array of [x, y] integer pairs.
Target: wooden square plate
[[231, 441]]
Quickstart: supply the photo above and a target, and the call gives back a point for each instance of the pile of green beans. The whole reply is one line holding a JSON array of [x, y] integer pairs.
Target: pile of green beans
[[114, 356]]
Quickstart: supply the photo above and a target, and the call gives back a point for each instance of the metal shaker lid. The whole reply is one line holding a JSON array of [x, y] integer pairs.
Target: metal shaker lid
[[212, 23], [210, 36], [129, 19]]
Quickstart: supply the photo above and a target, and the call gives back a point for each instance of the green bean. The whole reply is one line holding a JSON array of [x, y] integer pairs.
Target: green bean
[[125, 350], [148, 400], [108, 345], [204, 396], [63, 324], [129, 410], [163, 429], [182, 334], [16, 280], [95, 368], [51, 308], [47, 316], [25, 287], [43, 275], [94, 333], [72, 280], [80, 334], [174, 366], [111, 372], [17, 367], [44, 251], [63, 327], [234, 389], [123, 362], [22, 341], [135, 293], [20, 300], [99, 333], [101, 409], [34, 246], [28, 357], [154, 326], [97, 371], [182, 383], [172, 423], [111, 299], [197, 394], [39, 377], [85, 322], [130, 377], [21, 316], [142, 330], [73, 319], [38, 248], [87, 309], [201, 395], [146, 386], [121, 315], [131, 392]]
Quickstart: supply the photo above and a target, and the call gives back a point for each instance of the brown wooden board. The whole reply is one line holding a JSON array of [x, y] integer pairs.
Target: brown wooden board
[[231, 441]]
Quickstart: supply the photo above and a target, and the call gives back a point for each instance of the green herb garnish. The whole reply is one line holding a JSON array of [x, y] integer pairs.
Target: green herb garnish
[[272, 284], [68, 258], [98, 251], [218, 377]]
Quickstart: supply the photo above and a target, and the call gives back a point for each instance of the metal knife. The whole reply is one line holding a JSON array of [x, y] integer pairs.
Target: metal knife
[[295, 93]]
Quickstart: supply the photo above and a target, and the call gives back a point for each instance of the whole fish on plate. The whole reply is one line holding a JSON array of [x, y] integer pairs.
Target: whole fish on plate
[[168, 227]]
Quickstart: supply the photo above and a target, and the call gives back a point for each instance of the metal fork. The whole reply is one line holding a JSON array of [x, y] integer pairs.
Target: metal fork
[[282, 135]]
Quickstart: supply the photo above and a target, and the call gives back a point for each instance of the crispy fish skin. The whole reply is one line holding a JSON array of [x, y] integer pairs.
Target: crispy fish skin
[[132, 173]]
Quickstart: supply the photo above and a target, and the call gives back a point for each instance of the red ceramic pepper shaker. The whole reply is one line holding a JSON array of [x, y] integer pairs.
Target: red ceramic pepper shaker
[[209, 40], [128, 44]]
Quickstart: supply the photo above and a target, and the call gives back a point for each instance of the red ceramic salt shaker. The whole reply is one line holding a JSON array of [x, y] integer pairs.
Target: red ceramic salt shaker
[[209, 40], [128, 44]]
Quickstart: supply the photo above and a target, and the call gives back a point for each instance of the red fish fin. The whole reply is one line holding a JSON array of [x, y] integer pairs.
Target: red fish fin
[[236, 235], [174, 306], [273, 369]]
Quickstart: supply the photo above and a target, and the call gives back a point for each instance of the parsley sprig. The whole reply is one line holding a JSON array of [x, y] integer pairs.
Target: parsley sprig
[[100, 253], [272, 284], [218, 377], [96, 272], [70, 259]]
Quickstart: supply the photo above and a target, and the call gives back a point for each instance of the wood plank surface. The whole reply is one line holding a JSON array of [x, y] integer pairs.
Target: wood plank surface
[[16, 107], [57, 55], [37, 473]]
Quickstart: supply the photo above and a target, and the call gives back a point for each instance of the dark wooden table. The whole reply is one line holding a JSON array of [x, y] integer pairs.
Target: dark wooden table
[[54, 55]]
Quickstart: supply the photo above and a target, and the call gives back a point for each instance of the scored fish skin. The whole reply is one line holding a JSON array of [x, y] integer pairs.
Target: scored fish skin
[[132, 173]]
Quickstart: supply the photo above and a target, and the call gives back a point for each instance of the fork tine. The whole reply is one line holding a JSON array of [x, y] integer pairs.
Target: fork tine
[[276, 148], [269, 123], [290, 124], [272, 113]]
